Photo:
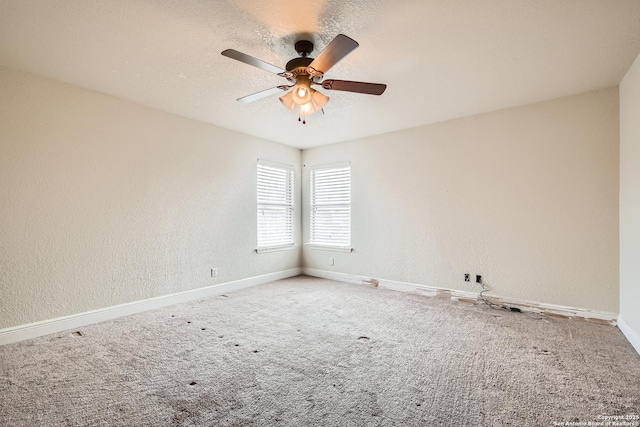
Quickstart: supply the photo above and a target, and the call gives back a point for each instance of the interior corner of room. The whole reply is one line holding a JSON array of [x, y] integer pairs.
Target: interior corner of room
[[108, 203], [457, 243]]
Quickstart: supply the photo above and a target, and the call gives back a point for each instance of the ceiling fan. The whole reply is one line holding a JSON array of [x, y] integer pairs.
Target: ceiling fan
[[304, 72]]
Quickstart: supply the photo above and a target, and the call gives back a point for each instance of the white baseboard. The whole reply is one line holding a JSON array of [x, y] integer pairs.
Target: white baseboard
[[524, 305], [632, 336], [59, 324]]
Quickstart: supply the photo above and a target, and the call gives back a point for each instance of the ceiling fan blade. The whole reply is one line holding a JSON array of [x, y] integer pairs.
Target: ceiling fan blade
[[243, 57], [339, 47], [358, 87], [263, 94]]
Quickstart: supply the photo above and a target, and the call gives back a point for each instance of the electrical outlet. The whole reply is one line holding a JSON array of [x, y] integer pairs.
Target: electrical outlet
[[330, 261], [478, 278], [467, 277], [214, 272]]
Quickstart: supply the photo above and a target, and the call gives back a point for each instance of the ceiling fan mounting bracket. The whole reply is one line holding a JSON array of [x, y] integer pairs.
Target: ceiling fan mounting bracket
[[303, 47]]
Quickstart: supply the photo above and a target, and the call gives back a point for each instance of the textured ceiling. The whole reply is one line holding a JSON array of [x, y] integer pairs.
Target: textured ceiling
[[441, 59]]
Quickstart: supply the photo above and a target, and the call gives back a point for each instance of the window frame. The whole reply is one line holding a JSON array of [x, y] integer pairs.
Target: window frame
[[321, 243], [262, 204]]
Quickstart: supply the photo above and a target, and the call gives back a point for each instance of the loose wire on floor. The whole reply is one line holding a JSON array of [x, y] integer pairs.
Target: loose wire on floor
[[489, 302], [503, 307]]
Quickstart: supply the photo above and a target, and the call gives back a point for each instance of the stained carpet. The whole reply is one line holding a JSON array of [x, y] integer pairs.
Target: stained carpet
[[313, 352]]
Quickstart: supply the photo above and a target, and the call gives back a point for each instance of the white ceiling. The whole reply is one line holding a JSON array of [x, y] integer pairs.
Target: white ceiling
[[441, 59]]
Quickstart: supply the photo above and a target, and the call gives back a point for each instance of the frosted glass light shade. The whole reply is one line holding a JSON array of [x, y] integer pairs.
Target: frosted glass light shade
[[306, 109], [301, 92], [317, 103], [319, 99], [287, 101]]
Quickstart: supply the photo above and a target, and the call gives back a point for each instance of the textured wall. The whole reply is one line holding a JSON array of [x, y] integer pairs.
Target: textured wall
[[630, 197], [104, 202], [527, 197]]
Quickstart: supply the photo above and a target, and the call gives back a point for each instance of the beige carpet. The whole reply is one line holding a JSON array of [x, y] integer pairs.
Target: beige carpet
[[312, 352]]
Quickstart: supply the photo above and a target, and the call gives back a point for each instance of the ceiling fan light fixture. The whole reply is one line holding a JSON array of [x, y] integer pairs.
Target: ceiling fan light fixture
[[316, 103]]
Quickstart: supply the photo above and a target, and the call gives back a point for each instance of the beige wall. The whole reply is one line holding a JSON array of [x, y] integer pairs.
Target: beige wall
[[527, 197], [630, 197], [104, 202]]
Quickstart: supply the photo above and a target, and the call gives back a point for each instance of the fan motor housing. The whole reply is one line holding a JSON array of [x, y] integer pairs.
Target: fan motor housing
[[301, 62], [299, 66]]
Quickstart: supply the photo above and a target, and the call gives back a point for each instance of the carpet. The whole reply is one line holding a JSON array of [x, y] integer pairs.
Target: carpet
[[313, 352]]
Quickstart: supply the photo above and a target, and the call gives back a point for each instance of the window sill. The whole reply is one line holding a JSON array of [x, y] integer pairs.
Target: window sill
[[275, 249], [329, 248]]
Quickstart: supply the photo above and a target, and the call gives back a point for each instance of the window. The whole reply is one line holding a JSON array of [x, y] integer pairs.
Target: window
[[275, 206], [330, 221]]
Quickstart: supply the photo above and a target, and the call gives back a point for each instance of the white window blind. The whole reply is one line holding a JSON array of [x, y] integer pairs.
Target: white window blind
[[275, 205], [331, 205]]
